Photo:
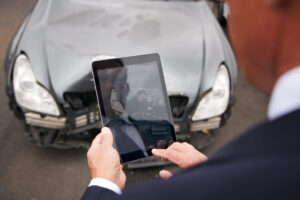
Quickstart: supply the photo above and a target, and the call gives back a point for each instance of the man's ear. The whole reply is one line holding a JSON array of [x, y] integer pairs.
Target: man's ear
[[278, 4]]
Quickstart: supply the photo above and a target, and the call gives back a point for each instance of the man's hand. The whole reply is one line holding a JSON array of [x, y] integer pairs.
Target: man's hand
[[104, 161], [182, 154]]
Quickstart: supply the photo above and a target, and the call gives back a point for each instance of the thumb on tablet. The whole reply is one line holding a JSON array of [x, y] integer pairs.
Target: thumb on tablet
[[97, 140], [106, 136]]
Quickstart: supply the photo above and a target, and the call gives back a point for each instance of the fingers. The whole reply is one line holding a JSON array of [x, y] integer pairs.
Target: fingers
[[106, 136], [160, 153], [122, 180], [167, 154], [165, 174], [177, 146], [97, 140]]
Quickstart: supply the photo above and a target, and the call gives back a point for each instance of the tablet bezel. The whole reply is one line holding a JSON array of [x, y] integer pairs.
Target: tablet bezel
[[125, 61]]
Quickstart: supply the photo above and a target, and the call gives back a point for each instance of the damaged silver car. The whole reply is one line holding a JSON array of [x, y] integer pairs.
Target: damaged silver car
[[48, 64]]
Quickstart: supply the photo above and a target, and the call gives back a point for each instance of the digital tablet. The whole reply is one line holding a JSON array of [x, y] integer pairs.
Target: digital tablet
[[133, 103]]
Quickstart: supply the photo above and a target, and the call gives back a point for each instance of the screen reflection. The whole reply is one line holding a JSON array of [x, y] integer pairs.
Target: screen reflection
[[135, 109]]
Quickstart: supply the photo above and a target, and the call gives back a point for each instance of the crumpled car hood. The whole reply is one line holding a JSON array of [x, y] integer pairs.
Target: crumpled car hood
[[73, 32]]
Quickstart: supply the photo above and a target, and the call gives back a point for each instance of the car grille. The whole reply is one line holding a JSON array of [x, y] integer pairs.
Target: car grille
[[178, 104], [79, 100]]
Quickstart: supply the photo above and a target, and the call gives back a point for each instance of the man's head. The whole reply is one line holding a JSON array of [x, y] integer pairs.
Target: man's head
[[266, 38]]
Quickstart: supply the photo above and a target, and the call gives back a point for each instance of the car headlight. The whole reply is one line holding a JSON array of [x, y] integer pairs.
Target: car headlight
[[215, 102], [28, 93]]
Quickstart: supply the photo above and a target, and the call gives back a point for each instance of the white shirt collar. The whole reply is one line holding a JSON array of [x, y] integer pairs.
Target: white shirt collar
[[285, 97]]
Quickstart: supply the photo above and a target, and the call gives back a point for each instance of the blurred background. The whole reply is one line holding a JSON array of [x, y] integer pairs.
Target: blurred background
[[31, 172]]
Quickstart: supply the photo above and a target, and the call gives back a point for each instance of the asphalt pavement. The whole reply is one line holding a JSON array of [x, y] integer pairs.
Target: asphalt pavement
[[33, 173]]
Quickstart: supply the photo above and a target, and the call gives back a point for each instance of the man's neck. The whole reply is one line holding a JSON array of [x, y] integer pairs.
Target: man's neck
[[285, 98]]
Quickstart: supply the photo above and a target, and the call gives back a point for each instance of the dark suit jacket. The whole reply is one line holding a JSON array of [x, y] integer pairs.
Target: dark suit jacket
[[263, 163]]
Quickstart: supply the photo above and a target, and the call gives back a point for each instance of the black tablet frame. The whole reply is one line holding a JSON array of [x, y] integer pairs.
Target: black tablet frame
[[125, 61]]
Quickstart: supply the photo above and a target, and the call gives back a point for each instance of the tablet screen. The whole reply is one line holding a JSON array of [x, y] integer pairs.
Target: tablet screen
[[134, 104]]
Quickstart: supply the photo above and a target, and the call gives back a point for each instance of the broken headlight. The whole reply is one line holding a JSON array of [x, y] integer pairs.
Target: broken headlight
[[215, 102], [29, 94]]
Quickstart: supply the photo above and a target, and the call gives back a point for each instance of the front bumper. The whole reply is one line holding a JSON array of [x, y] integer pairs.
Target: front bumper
[[73, 123], [90, 120], [73, 130], [85, 124], [35, 119]]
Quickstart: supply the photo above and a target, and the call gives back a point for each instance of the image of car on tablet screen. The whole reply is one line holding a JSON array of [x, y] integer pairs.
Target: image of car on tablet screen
[[48, 65]]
